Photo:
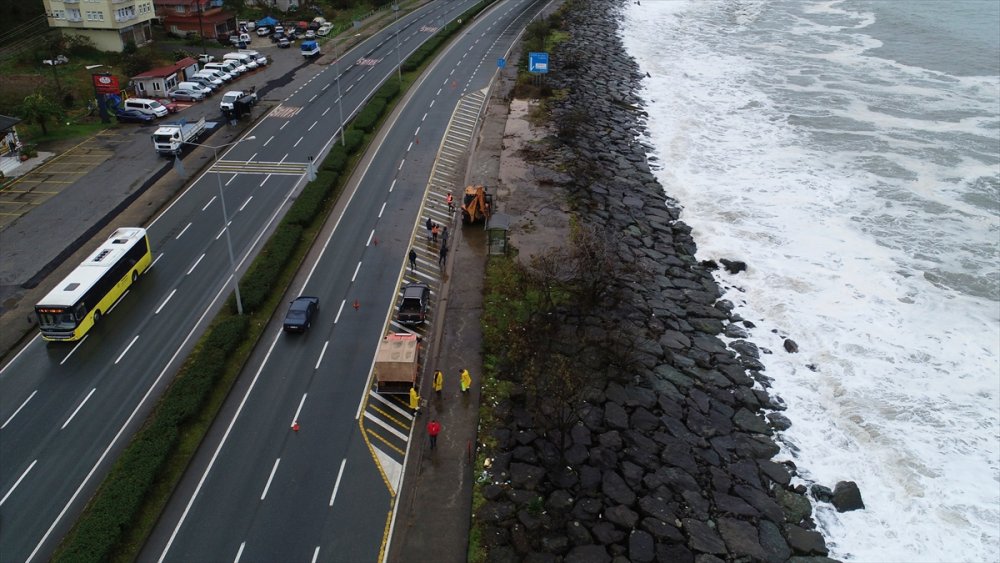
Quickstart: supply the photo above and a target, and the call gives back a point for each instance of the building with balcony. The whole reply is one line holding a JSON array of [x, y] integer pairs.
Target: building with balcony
[[202, 17], [109, 24]]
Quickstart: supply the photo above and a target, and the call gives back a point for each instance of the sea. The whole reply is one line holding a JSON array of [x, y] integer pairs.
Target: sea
[[849, 153]]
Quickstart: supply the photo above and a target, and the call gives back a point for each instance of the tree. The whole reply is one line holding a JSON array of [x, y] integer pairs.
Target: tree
[[39, 109]]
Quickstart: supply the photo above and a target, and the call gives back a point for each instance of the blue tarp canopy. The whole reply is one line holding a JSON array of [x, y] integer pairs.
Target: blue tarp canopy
[[267, 21]]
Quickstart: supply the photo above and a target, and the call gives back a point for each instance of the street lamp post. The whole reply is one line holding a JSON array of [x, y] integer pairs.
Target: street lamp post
[[340, 98], [225, 216], [399, 60]]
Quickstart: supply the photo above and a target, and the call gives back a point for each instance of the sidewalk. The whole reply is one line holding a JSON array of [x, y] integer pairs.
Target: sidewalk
[[435, 504]]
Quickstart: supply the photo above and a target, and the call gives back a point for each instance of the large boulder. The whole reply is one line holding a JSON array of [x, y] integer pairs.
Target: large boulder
[[847, 496]]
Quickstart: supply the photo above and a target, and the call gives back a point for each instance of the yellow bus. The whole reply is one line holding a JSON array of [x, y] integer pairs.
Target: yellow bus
[[77, 303]]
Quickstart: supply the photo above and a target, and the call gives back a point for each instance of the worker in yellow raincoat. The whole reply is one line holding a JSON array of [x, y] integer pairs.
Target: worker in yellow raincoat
[[466, 380], [438, 381], [414, 400]]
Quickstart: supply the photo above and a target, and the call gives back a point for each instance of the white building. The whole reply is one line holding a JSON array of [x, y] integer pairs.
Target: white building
[[109, 24]]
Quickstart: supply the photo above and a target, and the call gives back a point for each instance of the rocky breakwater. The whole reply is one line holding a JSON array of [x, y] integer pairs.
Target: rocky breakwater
[[671, 459]]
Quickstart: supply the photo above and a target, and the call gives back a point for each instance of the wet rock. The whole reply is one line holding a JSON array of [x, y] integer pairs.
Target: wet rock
[[778, 421], [588, 554], [733, 266], [615, 416], [555, 543], [578, 534], [821, 493], [775, 471], [607, 533], [641, 547], [525, 476], [740, 538], [805, 542], [703, 538], [797, 507], [847, 496], [775, 548], [559, 501], [622, 516], [615, 488], [674, 553], [790, 346]]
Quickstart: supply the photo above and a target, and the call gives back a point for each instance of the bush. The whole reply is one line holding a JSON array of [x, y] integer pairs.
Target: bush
[[369, 116], [337, 159], [352, 140], [258, 283]]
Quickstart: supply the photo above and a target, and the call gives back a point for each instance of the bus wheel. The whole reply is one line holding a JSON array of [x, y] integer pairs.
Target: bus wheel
[[135, 276], [97, 316]]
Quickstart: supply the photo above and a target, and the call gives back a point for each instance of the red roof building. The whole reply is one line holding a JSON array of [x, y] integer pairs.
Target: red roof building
[[203, 17], [157, 82]]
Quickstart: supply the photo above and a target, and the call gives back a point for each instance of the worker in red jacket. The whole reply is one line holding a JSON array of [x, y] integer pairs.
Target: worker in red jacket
[[433, 429]]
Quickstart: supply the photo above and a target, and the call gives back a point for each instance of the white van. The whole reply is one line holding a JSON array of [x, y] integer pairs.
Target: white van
[[261, 59], [205, 81], [232, 67], [151, 107], [210, 76], [197, 87], [242, 58]]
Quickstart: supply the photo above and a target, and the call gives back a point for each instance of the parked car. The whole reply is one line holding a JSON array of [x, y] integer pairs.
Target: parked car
[[300, 313], [262, 31], [205, 58], [279, 29], [185, 95], [324, 29], [171, 106], [195, 86], [310, 34], [284, 43], [414, 303], [261, 59], [133, 116]]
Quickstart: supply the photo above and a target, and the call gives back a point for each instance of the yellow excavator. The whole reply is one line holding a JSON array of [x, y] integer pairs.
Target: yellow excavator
[[476, 205]]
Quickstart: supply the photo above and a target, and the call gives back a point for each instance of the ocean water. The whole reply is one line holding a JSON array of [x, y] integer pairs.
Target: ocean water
[[849, 152]]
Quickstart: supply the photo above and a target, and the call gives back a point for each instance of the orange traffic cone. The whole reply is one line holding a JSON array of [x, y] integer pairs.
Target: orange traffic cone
[[357, 305], [295, 426]]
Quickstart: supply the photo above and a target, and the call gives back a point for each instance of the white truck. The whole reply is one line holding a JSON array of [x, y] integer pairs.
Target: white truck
[[309, 49], [243, 98], [170, 138]]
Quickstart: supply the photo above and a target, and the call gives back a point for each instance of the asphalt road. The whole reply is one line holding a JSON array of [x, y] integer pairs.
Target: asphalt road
[[261, 490], [67, 410]]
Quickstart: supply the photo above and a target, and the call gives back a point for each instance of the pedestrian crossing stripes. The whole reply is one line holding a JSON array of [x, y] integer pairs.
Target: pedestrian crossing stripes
[[259, 167], [285, 112]]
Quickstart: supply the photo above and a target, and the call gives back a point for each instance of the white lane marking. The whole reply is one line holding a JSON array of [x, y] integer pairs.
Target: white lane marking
[[401, 162], [324, 112], [268, 141], [78, 344], [391, 406], [356, 268], [196, 263], [385, 426], [315, 555], [299, 410], [282, 128], [245, 203], [321, 354], [430, 106], [125, 351], [297, 142], [270, 478], [160, 255], [380, 211], [336, 484], [222, 231], [264, 181], [85, 399], [184, 230], [23, 475], [417, 132], [314, 97], [392, 185], [410, 146], [230, 181], [157, 312], [422, 120], [313, 125], [18, 409], [209, 203], [349, 88], [340, 310], [239, 553], [371, 235]]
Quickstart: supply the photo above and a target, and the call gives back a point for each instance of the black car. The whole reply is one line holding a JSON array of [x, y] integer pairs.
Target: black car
[[300, 313], [133, 116], [414, 303]]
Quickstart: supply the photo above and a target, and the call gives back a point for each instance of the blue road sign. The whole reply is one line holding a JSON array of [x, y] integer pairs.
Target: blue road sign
[[538, 62], [501, 63]]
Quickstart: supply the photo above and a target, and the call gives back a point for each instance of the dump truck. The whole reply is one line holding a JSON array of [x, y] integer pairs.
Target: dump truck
[[397, 363], [476, 205], [170, 138]]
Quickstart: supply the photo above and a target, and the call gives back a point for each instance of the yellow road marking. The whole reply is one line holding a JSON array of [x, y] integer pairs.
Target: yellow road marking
[[402, 425], [384, 441]]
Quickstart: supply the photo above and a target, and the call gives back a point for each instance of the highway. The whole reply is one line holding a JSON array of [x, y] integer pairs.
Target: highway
[[260, 490], [65, 411]]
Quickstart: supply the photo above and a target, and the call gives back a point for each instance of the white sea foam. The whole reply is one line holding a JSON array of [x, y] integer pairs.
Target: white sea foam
[[863, 194]]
